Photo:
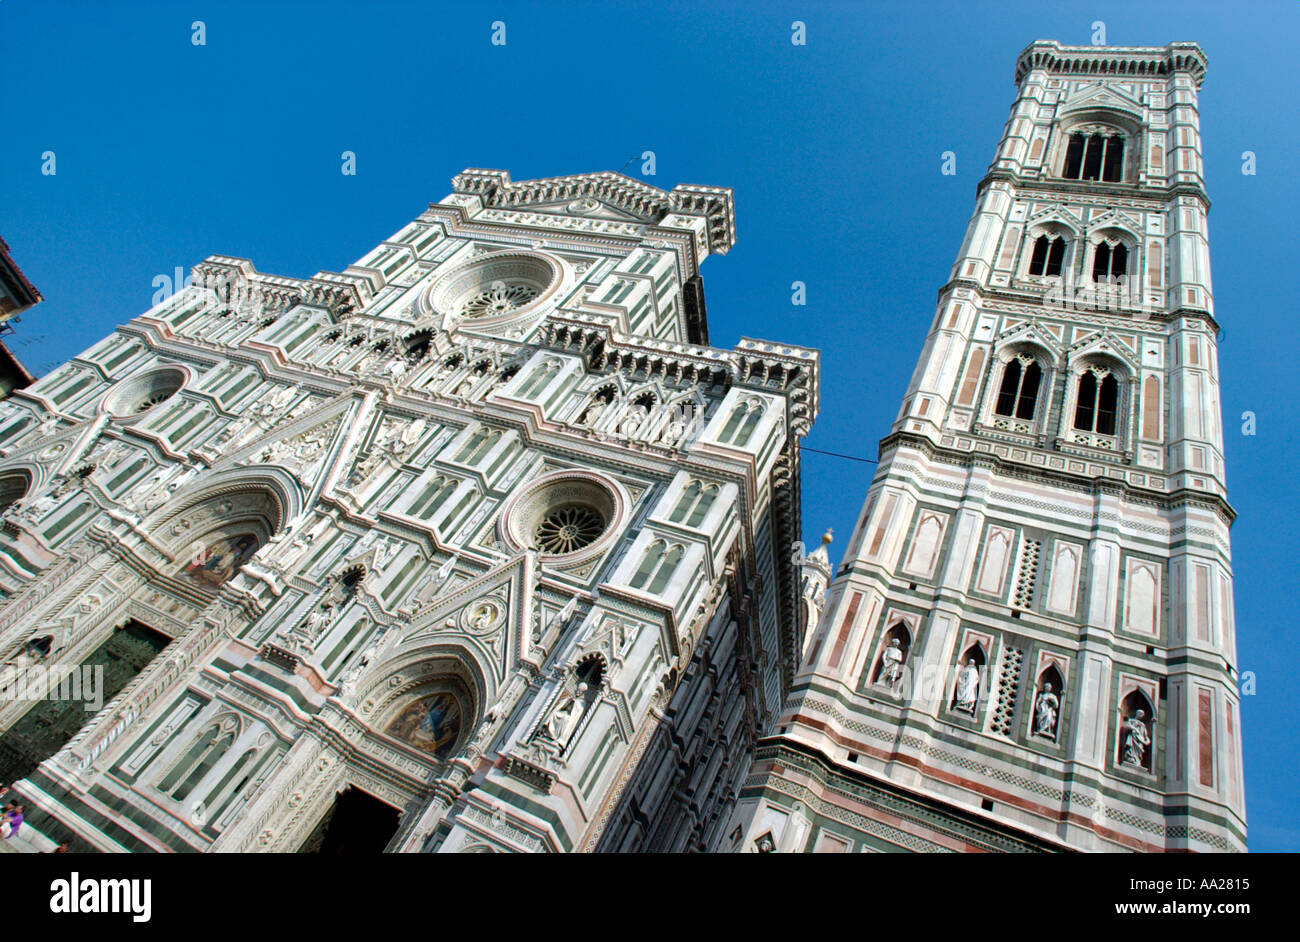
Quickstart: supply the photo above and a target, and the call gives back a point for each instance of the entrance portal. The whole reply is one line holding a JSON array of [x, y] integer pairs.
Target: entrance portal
[[357, 823], [53, 720]]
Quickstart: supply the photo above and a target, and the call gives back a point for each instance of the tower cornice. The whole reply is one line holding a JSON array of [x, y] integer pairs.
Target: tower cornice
[[1135, 61]]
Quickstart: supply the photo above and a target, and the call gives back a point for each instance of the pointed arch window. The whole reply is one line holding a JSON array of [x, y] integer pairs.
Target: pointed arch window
[[1098, 155], [1018, 395], [1110, 262], [1098, 402], [1049, 253]]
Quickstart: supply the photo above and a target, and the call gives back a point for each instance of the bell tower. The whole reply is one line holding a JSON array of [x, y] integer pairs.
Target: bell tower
[[1029, 643]]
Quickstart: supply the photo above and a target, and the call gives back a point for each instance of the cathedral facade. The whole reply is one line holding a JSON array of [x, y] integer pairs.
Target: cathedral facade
[[1029, 643], [479, 536]]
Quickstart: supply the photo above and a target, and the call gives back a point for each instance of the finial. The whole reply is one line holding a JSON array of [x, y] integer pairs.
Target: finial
[[828, 537]]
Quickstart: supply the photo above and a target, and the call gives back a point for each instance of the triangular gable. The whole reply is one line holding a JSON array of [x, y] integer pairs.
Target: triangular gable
[[586, 207], [1056, 214], [1114, 219], [1102, 95], [1104, 342], [63, 447], [1029, 331], [308, 446], [492, 613]]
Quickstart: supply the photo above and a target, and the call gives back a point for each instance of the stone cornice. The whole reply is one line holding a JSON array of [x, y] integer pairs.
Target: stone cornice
[[646, 202], [1054, 477], [1107, 192], [1125, 61]]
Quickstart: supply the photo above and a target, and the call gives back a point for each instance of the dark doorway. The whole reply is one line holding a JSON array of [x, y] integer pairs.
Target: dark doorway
[[51, 722], [357, 823]]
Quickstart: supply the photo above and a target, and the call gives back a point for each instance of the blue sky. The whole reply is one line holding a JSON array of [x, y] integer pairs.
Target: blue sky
[[167, 152]]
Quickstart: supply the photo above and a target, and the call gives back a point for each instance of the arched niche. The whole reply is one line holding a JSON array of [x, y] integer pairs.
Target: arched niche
[[890, 662], [430, 703], [13, 487], [212, 531]]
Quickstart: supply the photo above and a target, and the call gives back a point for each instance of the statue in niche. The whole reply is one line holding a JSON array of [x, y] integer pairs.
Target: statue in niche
[[348, 685], [398, 445], [559, 726], [891, 664], [1046, 712], [1136, 740], [319, 621], [396, 369], [594, 412], [968, 687]]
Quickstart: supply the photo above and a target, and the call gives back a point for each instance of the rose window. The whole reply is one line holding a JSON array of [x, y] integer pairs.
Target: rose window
[[137, 394], [149, 402], [567, 516], [568, 529], [500, 298], [497, 288]]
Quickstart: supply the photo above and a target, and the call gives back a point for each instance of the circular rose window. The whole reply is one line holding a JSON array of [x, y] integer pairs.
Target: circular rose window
[[136, 395], [501, 298], [568, 516], [569, 528], [496, 288]]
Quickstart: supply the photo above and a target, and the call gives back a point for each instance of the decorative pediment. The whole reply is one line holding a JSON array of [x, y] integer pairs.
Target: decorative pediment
[[588, 207], [1114, 219], [306, 446], [1103, 95], [1105, 343], [1055, 215], [51, 444], [492, 613], [627, 195], [1030, 332]]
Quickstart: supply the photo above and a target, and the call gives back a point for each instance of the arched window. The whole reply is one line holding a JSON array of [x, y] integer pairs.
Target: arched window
[[1098, 402], [188, 761], [694, 504], [438, 490], [661, 560], [204, 766], [728, 430], [470, 446], [684, 504], [666, 571], [1094, 155], [702, 506], [1110, 262], [751, 423], [652, 557], [1018, 395], [1049, 252]]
